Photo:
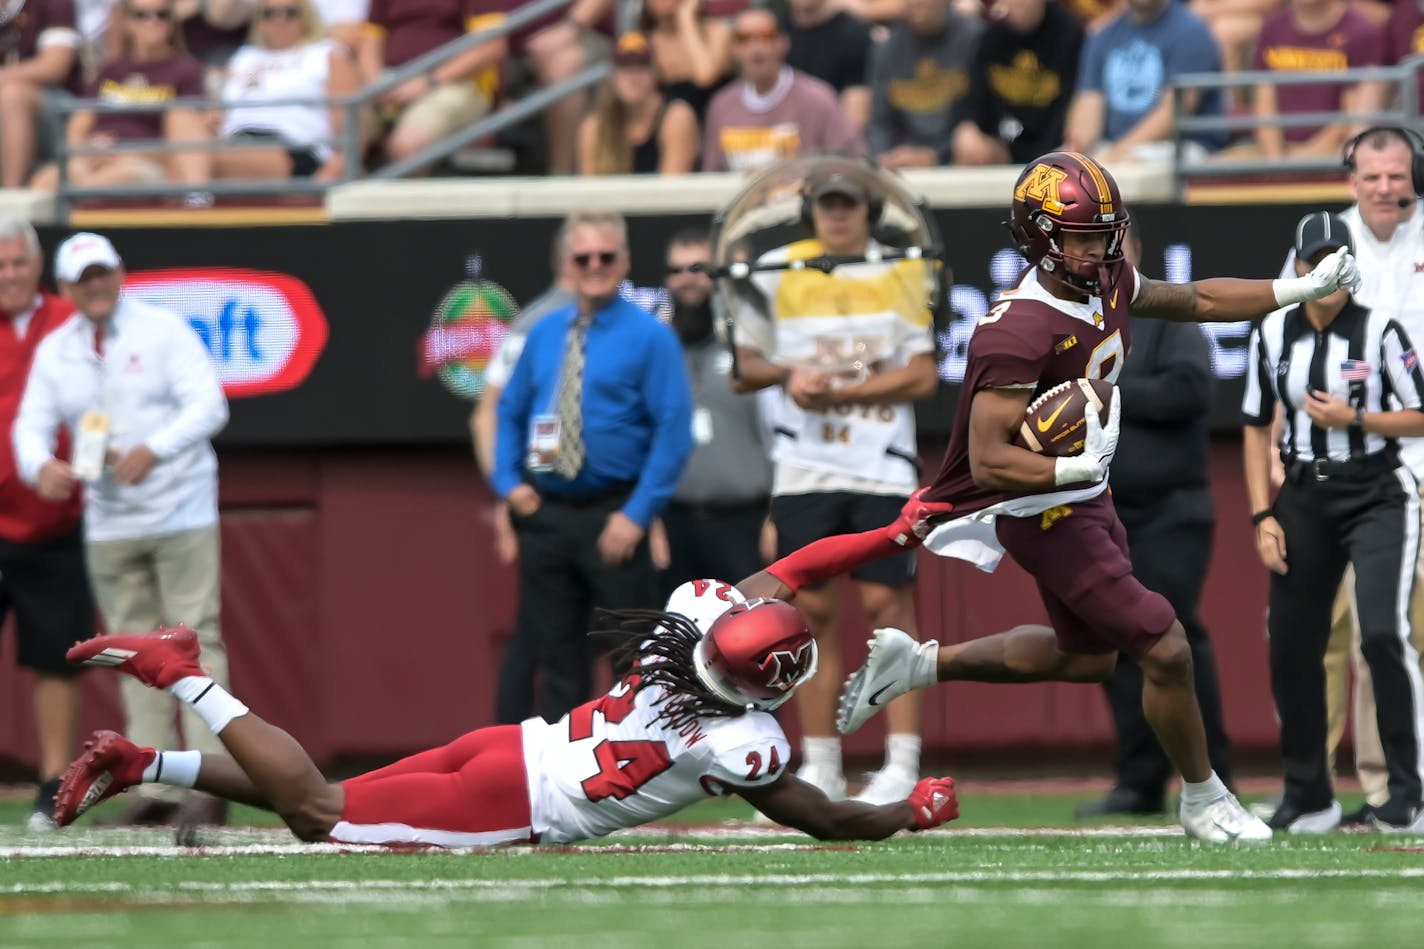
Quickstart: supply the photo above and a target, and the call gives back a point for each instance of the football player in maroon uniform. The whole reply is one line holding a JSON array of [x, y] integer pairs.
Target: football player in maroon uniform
[[1067, 318]]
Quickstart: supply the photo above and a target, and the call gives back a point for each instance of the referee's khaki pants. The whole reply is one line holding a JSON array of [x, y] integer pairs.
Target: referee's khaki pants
[[148, 582], [1342, 655]]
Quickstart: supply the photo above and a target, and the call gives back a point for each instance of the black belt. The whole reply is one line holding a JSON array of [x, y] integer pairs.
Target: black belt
[[1366, 468], [613, 492], [709, 510]]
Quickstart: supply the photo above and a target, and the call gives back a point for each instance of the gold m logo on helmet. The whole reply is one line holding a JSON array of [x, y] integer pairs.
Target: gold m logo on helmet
[[1041, 185]]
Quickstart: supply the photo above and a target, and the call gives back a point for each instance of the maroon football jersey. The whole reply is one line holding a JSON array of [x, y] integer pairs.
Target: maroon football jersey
[[126, 81], [1031, 340]]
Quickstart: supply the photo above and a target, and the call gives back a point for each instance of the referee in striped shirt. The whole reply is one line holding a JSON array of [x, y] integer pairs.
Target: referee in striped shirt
[[1349, 384]]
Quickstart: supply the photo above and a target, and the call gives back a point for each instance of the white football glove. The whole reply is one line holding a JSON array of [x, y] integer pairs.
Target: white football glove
[[1099, 446], [1334, 272]]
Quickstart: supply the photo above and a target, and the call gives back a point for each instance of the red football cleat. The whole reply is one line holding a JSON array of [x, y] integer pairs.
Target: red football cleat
[[157, 659], [110, 764]]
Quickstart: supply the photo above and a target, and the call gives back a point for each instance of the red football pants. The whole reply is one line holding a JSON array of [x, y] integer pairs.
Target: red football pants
[[472, 792]]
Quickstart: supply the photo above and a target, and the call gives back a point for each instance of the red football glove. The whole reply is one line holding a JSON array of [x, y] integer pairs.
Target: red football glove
[[917, 518], [934, 802]]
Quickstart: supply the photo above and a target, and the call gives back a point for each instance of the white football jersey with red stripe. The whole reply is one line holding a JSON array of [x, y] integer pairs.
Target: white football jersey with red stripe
[[610, 763]]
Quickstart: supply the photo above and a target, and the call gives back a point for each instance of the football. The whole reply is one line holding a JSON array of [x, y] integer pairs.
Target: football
[[1055, 422]]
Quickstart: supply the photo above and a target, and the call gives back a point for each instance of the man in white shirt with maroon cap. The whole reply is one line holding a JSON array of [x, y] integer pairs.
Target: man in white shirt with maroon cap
[[138, 389]]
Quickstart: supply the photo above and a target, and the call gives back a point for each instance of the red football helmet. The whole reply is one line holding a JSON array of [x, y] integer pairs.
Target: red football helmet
[[1066, 192], [756, 654]]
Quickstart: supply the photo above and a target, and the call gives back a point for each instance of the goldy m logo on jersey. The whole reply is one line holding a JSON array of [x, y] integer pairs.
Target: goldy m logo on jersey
[[1042, 185]]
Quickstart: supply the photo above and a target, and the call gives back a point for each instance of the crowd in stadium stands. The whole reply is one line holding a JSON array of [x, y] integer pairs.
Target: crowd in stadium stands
[[700, 84]]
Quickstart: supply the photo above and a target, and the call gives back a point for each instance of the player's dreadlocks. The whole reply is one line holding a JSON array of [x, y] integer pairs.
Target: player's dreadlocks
[[659, 646]]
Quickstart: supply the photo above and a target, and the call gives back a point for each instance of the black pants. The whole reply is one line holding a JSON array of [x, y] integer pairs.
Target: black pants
[[1170, 558], [716, 542], [1373, 525], [561, 580]]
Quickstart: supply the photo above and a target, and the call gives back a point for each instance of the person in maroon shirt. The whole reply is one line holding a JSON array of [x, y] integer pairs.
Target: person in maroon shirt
[[39, 52], [1313, 36], [150, 66], [1067, 319], [435, 104], [42, 574]]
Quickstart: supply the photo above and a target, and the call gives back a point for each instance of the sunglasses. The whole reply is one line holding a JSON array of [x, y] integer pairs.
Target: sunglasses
[[690, 268], [746, 36], [159, 15], [281, 13], [604, 258]]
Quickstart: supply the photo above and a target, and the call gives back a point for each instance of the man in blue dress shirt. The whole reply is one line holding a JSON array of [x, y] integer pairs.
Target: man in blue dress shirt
[[594, 428]]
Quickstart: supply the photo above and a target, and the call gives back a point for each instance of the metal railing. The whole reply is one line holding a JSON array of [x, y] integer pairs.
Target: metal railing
[[1403, 78], [351, 142]]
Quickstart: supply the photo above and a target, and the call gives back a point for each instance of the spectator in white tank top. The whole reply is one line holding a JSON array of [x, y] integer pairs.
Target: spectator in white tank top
[[287, 57]]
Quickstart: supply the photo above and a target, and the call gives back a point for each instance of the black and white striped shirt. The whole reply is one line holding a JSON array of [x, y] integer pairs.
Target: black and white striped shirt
[[1363, 358]]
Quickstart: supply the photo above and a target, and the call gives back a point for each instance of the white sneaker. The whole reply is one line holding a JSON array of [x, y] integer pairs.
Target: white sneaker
[[885, 676], [1222, 820], [832, 783], [1317, 822], [887, 786]]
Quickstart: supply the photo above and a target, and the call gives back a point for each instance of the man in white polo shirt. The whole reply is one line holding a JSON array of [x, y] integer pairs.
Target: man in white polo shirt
[[136, 386]]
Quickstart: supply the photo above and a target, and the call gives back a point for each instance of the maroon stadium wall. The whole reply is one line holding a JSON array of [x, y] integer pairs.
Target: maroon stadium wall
[[364, 612]]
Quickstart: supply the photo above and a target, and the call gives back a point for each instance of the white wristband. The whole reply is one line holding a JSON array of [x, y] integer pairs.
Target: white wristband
[[1292, 290], [1075, 469]]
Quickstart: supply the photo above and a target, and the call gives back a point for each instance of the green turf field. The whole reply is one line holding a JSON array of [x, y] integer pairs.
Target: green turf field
[[983, 883]]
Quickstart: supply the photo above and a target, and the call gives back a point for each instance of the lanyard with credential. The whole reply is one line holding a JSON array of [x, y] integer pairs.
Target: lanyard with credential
[[91, 440]]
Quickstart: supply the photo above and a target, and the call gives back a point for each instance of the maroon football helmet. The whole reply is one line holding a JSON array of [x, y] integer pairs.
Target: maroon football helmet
[[1065, 192], [756, 654]]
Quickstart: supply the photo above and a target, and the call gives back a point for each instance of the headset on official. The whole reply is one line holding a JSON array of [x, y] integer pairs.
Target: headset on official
[[1409, 136]]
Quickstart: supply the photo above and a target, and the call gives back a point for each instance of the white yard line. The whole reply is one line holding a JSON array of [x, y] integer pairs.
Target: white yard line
[[655, 882], [258, 841]]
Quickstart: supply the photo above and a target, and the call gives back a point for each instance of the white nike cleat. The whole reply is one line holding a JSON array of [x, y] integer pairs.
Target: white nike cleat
[[887, 786], [831, 782], [886, 675], [1222, 820]]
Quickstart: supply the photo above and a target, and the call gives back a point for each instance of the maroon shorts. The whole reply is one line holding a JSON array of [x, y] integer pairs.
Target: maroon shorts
[[1078, 555]]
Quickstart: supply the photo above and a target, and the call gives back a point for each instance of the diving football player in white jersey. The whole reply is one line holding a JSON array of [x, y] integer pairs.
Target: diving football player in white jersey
[[691, 720]]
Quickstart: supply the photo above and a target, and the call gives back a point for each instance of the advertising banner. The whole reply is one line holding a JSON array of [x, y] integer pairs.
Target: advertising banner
[[377, 332]]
